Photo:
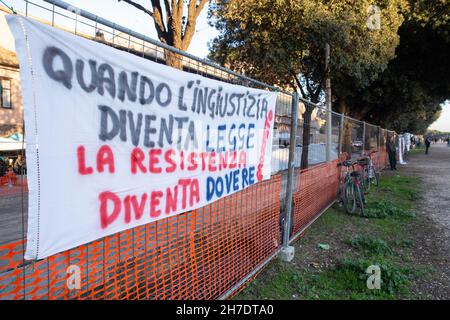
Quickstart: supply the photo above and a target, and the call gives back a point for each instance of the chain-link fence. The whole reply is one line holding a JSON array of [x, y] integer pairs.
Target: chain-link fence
[[371, 137], [207, 253], [352, 137]]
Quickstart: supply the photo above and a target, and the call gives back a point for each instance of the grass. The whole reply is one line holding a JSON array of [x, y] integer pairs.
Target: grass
[[285, 282], [395, 198], [348, 279], [404, 243], [380, 240], [332, 219], [370, 243], [416, 150], [383, 208]]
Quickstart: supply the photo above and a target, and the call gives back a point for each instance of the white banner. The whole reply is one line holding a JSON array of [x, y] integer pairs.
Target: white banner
[[116, 141]]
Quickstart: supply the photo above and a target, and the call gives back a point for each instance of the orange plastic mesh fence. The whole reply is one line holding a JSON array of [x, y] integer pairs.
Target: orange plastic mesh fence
[[196, 255], [380, 158], [316, 189]]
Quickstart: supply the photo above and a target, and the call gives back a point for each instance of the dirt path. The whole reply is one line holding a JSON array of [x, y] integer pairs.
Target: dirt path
[[434, 170], [433, 229]]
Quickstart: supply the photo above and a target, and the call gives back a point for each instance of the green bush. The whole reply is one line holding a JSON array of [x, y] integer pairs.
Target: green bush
[[370, 243], [393, 279], [384, 209]]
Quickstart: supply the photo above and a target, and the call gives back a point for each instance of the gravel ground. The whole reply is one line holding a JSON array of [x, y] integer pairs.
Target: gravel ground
[[433, 230], [434, 170]]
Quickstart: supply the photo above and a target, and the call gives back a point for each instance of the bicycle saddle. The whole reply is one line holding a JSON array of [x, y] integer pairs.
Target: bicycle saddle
[[364, 161]]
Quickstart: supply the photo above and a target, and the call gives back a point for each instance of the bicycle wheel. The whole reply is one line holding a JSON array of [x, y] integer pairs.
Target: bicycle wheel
[[365, 180], [375, 179], [349, 197], [360, 201]]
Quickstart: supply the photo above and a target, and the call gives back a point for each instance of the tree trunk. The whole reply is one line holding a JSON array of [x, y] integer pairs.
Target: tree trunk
[[306, 135], [347, 131], [169, 24], [174, 39], [173, 59], [347, 139]]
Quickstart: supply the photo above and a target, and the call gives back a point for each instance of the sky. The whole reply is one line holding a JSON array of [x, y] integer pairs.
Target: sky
[[443, 123], [127, 16]]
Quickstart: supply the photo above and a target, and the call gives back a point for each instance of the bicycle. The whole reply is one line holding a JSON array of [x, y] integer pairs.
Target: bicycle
[[352, 195], [370, 175]]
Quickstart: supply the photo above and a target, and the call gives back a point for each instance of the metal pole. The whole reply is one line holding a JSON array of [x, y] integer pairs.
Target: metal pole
[[364, 138], [341, 133], [379, 139], [53, 15], [291, 171], [328, 102]]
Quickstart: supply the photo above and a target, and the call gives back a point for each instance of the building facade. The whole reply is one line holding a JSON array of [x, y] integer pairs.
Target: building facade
[[11, 108]]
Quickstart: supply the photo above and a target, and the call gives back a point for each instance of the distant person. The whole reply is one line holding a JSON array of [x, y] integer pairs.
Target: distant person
[[3, 167], [427, 144], [9, 163], [19, 165], [392, 152], [448, 141]]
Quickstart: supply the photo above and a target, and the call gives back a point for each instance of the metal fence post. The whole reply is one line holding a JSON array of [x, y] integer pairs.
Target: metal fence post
[[379, 139], [341, 133], [328, 137], [364, 138], [287, 252], [328, 102]]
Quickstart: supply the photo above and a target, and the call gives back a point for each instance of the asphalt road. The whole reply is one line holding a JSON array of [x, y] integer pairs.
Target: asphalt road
[[12, 218]]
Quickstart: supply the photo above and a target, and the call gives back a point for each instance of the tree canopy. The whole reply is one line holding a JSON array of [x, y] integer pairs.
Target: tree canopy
[[282, 42], [409, 94], [271, 39], [394, 73]]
